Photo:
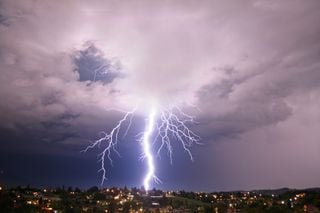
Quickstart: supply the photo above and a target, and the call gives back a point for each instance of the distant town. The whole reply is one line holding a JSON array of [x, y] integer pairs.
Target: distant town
[[134, 200]]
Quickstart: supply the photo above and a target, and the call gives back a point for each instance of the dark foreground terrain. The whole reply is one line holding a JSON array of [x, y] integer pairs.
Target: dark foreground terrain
[[73, 200]]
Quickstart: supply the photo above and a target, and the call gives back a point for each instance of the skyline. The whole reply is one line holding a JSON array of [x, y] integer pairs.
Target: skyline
[[248, 72]]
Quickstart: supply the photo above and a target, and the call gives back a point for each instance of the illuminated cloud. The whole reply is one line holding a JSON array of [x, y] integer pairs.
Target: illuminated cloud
[[246, 65]]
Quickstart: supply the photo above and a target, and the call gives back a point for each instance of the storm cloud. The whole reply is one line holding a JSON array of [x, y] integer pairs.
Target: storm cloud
[[249, 67]]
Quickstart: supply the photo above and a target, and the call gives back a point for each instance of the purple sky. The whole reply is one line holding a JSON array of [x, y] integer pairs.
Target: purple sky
[[252, 68]]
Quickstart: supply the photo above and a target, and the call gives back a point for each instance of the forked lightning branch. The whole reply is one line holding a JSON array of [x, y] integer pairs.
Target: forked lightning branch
[[161, 126]]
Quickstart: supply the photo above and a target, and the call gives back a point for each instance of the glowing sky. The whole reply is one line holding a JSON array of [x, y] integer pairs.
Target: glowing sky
[[250, 67]]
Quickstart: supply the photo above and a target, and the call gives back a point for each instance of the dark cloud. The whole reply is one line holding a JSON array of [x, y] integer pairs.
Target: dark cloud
[[4, 20], [92, 65], [265, 105]]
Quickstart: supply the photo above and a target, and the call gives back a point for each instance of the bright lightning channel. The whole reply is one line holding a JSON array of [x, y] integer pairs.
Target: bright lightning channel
[[166, 125], [146, 150]]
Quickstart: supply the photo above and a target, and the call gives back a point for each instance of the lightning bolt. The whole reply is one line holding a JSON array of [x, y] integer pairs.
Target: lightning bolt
[[173, 125], [110, 140], [146, 149], [167, 125]]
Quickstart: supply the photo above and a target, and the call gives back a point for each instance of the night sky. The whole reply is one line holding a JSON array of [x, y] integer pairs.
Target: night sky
[[249, 71]]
